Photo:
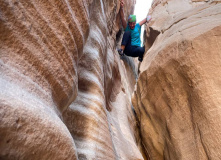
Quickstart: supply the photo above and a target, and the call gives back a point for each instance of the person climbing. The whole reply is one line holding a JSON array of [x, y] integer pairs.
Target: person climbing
[[131, 43]]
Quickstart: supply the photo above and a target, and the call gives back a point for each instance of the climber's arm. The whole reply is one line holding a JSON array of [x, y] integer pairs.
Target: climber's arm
[[145, 20], [124, 23]]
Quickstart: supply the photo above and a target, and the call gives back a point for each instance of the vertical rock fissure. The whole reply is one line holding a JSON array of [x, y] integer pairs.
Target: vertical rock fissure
[[153, 34]]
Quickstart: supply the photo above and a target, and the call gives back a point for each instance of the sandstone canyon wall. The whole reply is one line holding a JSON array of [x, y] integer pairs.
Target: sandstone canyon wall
[[64, 92], [177, 97]]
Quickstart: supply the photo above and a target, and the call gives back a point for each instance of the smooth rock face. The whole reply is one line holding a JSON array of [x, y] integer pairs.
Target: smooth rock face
[[177, 98], [64, 92]]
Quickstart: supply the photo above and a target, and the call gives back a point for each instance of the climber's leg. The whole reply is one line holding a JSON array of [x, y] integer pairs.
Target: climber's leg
[[140, 52], [136, 51], [126, 43]]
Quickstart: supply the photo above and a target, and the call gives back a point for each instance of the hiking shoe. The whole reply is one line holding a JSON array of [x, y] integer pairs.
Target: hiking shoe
[[121, 52], [140, 59]]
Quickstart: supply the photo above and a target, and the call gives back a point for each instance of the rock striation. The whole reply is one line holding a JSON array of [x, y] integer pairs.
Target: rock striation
[[177, 97], [64, 92]]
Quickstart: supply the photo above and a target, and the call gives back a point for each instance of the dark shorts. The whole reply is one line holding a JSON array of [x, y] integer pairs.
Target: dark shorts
[[133, 51]]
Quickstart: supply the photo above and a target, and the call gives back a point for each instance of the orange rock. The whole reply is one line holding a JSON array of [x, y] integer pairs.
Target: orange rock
[[64, 92], [177, 95]]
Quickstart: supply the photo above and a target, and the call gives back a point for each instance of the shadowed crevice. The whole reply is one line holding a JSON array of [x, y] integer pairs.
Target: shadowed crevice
[[152, 37]]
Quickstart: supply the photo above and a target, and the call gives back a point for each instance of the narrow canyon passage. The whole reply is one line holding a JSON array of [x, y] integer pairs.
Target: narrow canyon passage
[[65, 93]]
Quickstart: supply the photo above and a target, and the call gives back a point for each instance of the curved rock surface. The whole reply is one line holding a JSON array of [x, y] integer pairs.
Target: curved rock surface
[[177, 98], [64, 92]]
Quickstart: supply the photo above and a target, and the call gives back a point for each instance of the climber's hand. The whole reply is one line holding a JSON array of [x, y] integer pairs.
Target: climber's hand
[[149, 18], [121, 3]]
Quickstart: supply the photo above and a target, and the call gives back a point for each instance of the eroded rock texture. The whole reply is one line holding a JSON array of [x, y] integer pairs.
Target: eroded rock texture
[[60, 76], [177, 98]]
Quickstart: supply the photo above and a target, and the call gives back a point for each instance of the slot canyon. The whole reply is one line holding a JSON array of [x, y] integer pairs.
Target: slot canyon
[[66, 94]]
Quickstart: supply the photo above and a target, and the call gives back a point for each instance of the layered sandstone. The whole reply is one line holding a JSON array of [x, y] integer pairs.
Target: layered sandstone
[[177, 98], [64, 92]]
